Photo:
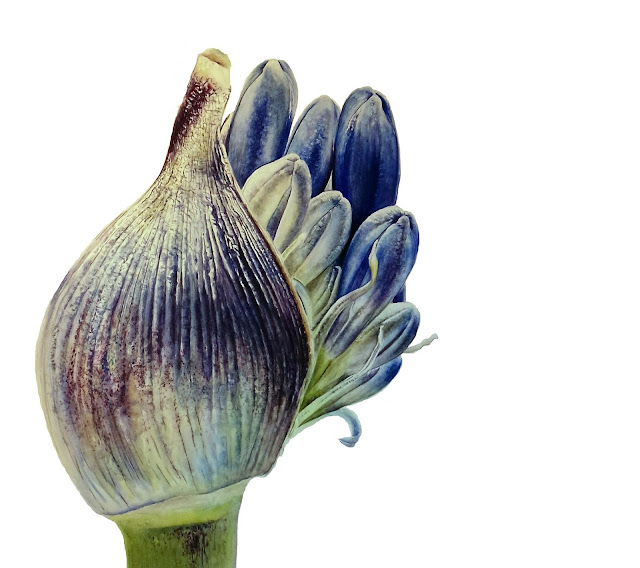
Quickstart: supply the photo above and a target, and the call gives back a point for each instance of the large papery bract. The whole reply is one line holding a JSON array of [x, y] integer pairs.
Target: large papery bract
[[172, 357]]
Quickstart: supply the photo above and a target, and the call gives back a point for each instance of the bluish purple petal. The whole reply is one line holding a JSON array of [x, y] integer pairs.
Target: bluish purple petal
[[366, 386], [396, 251], [261, 122], [379, 380], [367, 159], [355, 268], [312, 139], [384, 339]]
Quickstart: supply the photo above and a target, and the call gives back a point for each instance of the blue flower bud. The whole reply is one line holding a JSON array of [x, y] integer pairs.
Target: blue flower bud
[[353, 390], [367, 160], [323, 235], [395, 328], [312, 139], [278, 195], [355, 268], [392, 243], [384, 339], [262, 119], [371, 384]]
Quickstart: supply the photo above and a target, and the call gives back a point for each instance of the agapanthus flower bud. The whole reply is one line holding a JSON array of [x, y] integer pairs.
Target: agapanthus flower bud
[[278, 195], [322, 237], [390, 237], [368, 385], [261, 122], [312, 139], [367, 159], [385, 338], [355, 268], [351, 390]]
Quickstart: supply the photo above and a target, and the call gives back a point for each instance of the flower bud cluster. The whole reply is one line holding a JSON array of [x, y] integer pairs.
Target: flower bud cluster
[[349, 249]]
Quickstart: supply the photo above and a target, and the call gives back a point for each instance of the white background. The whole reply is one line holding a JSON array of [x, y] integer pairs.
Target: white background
[[513, 440]]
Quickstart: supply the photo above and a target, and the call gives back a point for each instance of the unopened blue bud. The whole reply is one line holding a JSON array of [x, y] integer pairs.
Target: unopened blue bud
[[395, 239], [312, 139], [392, 331], [352, 390], [324, 233], [384, 339], [355, 268], [372, 384], [367, 160], [278, 195], [262, 119]]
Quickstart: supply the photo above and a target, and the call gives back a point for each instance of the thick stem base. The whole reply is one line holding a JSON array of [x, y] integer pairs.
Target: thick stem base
[[206, 545], [204, 537]]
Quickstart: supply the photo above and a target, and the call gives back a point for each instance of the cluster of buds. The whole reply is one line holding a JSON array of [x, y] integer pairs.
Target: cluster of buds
[[325, 191]]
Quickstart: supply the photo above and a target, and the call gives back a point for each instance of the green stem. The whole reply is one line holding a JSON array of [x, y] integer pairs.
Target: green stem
[[200, 539]]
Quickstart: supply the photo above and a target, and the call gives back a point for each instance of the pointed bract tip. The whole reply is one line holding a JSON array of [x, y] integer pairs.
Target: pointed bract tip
[[213, 66]]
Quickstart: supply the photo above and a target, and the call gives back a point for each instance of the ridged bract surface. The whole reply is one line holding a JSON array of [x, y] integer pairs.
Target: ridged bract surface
[[171, 358]]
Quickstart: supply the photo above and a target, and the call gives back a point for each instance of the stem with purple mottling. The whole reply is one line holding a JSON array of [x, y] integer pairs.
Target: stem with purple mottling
[[191, 539]]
